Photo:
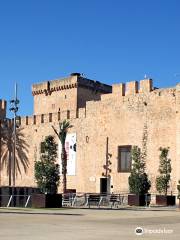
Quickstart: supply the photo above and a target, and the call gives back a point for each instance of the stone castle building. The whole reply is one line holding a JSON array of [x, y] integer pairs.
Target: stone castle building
[[107, 121]]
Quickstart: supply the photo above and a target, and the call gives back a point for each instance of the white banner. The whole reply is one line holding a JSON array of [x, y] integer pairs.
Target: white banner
[[70, 146]]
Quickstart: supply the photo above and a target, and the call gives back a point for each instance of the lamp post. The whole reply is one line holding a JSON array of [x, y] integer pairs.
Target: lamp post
[[14, 108], [106, 173]]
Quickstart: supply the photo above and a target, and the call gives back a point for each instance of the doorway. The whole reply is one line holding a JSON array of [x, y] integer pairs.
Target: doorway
[[104, 185]]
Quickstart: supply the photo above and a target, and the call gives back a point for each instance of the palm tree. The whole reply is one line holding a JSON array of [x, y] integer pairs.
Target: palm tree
[[63, 128], [7, 142]]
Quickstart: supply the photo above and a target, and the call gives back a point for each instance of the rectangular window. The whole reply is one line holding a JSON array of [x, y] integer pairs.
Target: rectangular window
[[26, 120], [50, 117], [34, 119], [124, 158], [59, 116], [68, 114], [42, 118]]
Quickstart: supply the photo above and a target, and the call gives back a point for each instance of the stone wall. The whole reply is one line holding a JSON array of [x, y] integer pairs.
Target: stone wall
[[122, 116]]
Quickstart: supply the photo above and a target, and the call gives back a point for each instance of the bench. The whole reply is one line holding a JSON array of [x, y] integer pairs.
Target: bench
[[114, 200], [94, 200], [67, 199]]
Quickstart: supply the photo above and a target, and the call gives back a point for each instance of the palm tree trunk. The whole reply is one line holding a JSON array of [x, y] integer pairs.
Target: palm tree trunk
[[9, 166], [64, 168]]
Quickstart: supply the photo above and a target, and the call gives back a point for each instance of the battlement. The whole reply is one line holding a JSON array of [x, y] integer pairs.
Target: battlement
[[3, 106], [131, 88], [72, 81], [54, 85], [51, 117]]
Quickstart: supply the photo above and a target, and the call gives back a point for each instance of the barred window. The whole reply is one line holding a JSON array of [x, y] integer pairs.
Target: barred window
[[124, 158]]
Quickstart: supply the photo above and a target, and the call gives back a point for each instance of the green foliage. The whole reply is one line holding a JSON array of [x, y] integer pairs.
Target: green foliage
[[46, 170], [7, 146], [63, 128], [62, 133], [178, 188], [138, 179], [162, 181]]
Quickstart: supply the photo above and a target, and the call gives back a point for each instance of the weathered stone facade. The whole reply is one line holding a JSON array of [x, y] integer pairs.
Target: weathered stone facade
[[123, 114]]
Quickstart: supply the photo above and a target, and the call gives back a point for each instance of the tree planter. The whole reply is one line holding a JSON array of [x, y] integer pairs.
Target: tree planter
[[139, 184], [165, 200], [178, 188], [47, 200], [137, 200], [19, 196]]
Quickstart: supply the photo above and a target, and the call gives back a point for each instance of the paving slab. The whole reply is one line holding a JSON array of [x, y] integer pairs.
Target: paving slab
[[90, 224]]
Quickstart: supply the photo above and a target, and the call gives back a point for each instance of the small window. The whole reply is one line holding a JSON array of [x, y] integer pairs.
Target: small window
[[59, 116], [34, 119], [42, 118], [53, 106], [50, 117], [26, 120], [124, 158], [68, 114]]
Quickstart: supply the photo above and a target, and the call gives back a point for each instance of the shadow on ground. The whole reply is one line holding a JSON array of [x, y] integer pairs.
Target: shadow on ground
[[39, 213]]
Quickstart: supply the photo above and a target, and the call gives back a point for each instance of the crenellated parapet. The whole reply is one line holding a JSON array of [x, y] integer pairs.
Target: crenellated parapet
[[125, 90], [54, 85], [134, 87], [41, 119], [130, 89], [73, 81], [119, 89], [3, 106]]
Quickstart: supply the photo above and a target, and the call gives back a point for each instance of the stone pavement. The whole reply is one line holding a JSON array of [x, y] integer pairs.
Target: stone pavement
[[77, 224]]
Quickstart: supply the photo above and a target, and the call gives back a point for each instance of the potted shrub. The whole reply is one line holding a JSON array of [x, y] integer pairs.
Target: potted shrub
[[47, 176], [139, 184], [162, 181]]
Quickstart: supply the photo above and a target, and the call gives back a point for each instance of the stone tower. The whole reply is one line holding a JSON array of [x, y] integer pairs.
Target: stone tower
[[3, 105], [70, 93]]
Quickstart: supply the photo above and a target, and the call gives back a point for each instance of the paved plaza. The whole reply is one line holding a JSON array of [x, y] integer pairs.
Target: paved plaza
[[77, 224]]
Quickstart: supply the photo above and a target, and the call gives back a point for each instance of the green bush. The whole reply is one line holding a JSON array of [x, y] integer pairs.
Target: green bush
[[162, 181], [138, 179], [46, 169]]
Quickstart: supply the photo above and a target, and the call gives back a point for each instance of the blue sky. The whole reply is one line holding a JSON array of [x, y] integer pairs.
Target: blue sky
[[108, 40]]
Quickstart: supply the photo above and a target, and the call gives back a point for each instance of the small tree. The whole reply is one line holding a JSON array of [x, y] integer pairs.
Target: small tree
[[162, 182], [138, 179], [46, 170], [62, 133]]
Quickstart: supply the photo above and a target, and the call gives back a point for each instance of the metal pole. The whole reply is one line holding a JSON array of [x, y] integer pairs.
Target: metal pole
[[14, 150], [107, 141], [14, 103]]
